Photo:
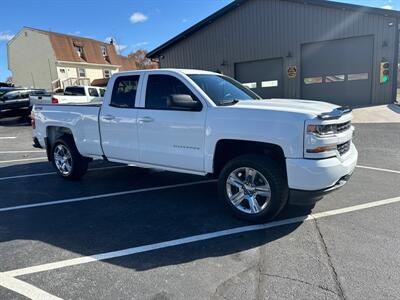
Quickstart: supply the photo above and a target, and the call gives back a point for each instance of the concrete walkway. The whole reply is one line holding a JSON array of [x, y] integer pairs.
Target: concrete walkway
[[377, 114]]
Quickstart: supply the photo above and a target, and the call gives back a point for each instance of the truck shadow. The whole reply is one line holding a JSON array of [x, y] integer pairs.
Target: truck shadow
[[125, 221]]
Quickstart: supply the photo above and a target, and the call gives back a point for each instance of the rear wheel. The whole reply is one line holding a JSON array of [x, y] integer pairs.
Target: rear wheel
[[67, 160], [254, 187]]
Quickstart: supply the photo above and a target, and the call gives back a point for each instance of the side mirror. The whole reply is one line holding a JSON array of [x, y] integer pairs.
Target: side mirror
[[184, 102]]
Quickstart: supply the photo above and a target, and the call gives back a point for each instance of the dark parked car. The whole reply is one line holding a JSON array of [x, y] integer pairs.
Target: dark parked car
[[16, 99]]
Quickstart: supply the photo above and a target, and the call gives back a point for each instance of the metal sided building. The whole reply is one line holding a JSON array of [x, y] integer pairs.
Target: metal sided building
[[309, 49]]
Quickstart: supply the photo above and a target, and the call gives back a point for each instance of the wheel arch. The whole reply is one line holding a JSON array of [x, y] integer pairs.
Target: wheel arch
[[227, 149]]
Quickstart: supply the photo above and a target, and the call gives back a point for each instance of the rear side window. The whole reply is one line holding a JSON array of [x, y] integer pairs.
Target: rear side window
[[161, 87], [93, 92], [74, 91], [102, 92], [124, 91]]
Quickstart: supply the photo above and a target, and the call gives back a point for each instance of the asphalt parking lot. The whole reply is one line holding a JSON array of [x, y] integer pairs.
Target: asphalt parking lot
[[123, 232]]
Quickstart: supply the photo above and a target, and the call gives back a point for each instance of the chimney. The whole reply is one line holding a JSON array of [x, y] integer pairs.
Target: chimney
[[111, 41]]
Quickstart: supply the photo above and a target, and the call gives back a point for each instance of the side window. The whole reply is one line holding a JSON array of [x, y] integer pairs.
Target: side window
[[124, 91], [102, 92], [93, 92], [161, 87]]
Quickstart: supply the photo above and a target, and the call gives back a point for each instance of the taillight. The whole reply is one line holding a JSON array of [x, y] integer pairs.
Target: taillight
[[54, 100], [33, 123]]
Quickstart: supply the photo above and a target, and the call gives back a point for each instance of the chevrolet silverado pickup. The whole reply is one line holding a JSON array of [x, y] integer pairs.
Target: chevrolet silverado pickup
[[266, 153]]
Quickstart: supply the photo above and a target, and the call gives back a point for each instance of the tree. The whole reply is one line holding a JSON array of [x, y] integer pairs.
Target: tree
[[141, 61]]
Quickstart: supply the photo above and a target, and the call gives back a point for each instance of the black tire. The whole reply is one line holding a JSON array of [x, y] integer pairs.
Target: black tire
[[272, 172], [79, 164]]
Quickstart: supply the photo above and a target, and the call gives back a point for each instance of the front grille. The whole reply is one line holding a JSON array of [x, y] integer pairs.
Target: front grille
[[343, 127], [343, 148]]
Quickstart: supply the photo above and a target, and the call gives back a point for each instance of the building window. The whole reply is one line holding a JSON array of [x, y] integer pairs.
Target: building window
[[359, 76], [82, 72], [312, 80], [103, 51], [269, 83], [62, 71], [334, 78], [107, 73], [250, 85]]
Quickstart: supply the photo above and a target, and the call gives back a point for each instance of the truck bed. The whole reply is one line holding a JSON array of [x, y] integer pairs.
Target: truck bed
[[80, 118]]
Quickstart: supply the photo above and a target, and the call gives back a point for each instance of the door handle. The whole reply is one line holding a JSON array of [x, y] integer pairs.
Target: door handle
[[108, 117], [145, 120]]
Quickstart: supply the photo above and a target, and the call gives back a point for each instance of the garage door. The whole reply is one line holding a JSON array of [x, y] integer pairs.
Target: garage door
[[338, 71], [264, 77]]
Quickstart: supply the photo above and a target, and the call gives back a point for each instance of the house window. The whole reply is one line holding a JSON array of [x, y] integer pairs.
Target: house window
[[62, 71], [79, 50], [82, 72], [107, 73], [103, 50]]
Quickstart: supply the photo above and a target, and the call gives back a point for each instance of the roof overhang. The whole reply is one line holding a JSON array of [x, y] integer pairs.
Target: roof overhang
[[330, 4], [82, 63]]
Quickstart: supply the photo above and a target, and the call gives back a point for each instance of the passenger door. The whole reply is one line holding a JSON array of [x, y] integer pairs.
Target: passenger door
[[170, 136], [118, 120]]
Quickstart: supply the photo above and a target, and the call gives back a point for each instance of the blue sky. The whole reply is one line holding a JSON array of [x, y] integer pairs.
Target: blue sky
[[133, 23]]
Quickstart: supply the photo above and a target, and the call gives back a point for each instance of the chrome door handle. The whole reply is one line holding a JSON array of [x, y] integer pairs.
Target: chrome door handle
[[145, 120], [108, 117]]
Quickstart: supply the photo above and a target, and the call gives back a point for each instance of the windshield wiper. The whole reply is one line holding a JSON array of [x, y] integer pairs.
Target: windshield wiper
[[227, 102]]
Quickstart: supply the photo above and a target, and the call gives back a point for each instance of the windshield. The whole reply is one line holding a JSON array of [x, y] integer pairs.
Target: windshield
[[223, 90]]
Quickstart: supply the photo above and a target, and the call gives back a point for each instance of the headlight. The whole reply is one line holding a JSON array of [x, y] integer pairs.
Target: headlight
[[322, 129]]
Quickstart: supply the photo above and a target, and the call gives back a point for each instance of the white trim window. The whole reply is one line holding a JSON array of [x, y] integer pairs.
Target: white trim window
[[81, 72], [107, 73], [103, 50]]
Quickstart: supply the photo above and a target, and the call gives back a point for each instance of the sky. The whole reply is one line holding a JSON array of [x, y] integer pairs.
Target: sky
[[133, 24]]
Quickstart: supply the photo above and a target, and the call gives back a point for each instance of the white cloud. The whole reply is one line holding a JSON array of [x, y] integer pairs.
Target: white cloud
[[387, 6], [6, 36], [118, 47], [138, 17], [141, 44]]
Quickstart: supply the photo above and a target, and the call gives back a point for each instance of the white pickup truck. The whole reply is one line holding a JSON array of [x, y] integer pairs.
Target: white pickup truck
[[267, 153], [72, 94]]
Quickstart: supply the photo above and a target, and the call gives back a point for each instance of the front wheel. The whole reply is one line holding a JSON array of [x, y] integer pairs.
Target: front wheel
[[254, 187], [67, 160]]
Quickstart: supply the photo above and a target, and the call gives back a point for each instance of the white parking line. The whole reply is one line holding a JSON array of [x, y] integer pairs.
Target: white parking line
[[7, 137], [54, 173], [21, 151], [86, 198], [378, 169], [191, 239], [24, 159], [24, 288]]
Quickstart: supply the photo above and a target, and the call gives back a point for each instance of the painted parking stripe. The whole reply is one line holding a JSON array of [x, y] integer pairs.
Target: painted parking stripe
[[378, 169], [192, 239], [54, 173], [87, 198], [24, 288], [24, 159], [7, 137], [21, 151]]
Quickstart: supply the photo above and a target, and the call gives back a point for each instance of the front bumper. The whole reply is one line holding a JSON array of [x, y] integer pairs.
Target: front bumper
[[302, 197], [309, 179]]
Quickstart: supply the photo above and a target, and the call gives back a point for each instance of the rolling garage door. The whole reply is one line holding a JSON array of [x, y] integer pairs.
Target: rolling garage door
[[264, 77], [338, 71]]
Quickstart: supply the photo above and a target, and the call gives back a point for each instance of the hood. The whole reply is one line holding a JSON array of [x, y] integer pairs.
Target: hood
[[308, 107]]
